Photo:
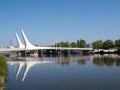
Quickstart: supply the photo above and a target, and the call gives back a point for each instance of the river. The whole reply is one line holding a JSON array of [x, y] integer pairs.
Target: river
[[93, 72]]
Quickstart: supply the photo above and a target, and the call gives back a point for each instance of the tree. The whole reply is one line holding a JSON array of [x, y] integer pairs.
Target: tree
[[108, 44], [82, 43], [62, 44], [65, 44], [98, 44], [117, 43], [73, 44], [78, 42]]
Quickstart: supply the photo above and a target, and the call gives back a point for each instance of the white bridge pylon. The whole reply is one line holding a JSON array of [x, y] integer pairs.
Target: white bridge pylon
[[27, 45], [20, 44]]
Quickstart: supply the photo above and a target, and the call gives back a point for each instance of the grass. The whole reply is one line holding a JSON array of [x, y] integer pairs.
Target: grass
[[3, 67], [3, 72]]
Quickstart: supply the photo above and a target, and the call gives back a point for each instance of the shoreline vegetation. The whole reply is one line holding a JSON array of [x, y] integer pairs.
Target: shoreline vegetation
[[96, 45], [3, 73]]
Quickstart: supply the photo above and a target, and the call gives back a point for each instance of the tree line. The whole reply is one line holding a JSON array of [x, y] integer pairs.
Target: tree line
[[79, 43], [107, 44], [98, 44]]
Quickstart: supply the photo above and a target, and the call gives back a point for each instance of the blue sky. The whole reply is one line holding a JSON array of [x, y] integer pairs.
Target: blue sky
[[48, 21]]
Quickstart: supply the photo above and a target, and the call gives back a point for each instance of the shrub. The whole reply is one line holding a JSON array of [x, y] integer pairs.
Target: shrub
[[3, 67]]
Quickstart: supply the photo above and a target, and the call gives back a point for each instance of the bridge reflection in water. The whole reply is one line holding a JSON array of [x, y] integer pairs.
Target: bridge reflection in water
[[27, 63]]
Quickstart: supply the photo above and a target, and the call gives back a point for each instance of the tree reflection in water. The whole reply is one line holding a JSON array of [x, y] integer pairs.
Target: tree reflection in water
[[98, 60], [63, 60], [81, 60], [106, 60]]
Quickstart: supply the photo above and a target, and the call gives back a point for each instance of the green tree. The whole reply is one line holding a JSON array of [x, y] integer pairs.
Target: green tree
[[117, 43], [98, 44], [62, 44], [78, 42], [73, 44], [82, 43], [65, 44], [108, 44]]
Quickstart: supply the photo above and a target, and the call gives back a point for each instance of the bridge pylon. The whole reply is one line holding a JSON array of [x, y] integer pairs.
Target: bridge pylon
[[20, 44], [28, 45]]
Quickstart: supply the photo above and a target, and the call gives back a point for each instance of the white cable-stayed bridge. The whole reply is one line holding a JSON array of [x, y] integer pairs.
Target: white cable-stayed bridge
[[28, 47]]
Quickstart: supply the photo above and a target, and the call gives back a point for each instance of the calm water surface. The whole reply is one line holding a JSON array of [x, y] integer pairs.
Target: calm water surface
[[65, 73]]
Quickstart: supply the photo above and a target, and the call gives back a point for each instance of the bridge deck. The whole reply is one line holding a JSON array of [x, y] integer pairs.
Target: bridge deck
[[43, 48]]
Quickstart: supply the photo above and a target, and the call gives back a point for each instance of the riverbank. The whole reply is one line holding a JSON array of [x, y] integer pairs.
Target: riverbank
[[3, 73]]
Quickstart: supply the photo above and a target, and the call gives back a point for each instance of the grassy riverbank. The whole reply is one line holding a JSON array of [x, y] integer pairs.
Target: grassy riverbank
[[3, 72]]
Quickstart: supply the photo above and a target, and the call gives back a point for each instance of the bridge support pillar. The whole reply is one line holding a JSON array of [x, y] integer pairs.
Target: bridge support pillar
[[40, 53], [81, 52], [25, 53], [69, 52], [19, 54]]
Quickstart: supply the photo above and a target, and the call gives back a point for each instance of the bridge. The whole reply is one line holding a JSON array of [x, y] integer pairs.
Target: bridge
[[28, 47]]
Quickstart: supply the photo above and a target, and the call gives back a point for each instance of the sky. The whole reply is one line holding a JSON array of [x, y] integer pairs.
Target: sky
[[46, 22]]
